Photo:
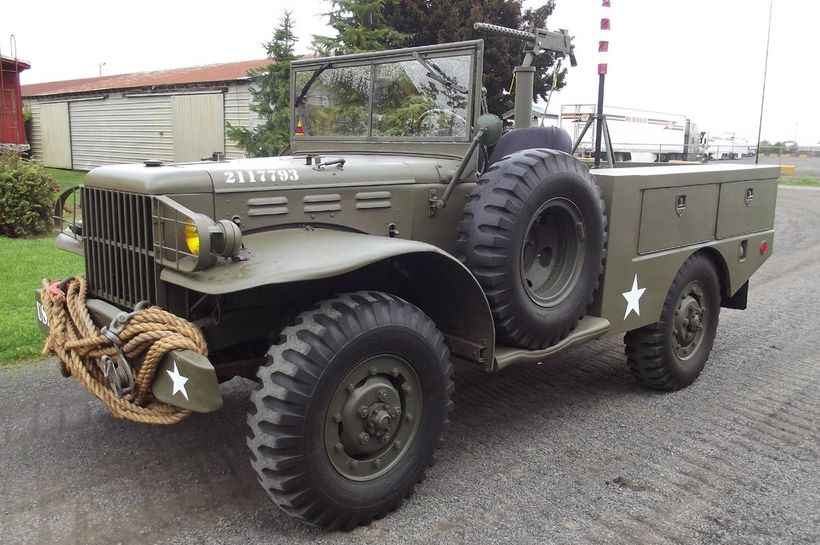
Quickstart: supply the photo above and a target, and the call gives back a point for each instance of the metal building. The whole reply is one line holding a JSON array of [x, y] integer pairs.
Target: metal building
[[170, 115]]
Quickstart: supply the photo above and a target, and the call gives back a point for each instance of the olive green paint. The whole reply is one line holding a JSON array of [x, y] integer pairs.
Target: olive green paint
[[202, 387], [310, 217]]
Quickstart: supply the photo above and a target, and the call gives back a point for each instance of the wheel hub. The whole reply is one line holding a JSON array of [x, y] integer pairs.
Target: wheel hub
[[371, 418], [552, 253], [688, 325]]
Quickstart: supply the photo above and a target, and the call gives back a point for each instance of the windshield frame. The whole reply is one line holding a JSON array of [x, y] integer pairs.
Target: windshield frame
[[473, 49]]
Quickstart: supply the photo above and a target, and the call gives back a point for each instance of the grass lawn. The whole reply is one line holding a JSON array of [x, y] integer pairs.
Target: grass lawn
[[23, 265], [67, 178], [812, 182]]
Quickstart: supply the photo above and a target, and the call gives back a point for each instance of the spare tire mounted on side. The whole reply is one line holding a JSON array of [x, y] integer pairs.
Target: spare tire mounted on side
[[533, 234]]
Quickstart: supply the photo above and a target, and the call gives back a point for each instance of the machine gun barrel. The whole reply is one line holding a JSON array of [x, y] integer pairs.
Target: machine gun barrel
[[504, 31]]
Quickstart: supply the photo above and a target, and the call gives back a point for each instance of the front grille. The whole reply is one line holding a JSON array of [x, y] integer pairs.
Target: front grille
[[118, 238]]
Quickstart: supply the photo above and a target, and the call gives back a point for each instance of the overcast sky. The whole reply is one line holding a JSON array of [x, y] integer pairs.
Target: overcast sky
[[701, 58]]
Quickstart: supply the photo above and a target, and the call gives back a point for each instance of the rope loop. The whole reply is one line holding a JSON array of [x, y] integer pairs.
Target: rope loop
[[118, 363]]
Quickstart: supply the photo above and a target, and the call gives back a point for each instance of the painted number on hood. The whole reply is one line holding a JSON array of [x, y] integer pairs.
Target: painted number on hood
[[261, 176]]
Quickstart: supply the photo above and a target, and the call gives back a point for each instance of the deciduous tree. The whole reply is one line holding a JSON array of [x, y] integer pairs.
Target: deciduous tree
[[438, 21]]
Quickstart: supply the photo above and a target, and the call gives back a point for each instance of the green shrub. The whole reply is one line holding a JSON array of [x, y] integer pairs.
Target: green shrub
[[27, 195]]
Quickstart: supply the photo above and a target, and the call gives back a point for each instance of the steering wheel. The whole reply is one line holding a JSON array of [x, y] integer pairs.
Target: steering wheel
[[433, 111]]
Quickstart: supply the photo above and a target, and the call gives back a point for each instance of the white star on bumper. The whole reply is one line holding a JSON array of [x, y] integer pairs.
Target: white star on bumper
[[633, 298], [179, 381]]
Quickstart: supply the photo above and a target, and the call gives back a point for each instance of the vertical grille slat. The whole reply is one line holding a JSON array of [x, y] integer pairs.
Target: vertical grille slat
[[127, 252], [140, 244], [118, 246]]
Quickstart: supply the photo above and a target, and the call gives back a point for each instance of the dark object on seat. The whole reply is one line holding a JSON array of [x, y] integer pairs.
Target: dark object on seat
[[529, 138]]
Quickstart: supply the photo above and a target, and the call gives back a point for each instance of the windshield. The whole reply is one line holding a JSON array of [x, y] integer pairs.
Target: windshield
[[423, 97]]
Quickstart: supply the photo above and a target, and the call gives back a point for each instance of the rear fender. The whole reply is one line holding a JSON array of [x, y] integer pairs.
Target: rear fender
[[425, 275]]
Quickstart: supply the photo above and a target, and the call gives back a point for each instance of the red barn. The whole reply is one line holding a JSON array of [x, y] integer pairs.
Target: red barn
[[12, 128]]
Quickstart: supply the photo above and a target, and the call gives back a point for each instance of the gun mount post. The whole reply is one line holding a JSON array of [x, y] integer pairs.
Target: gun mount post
[[537, 40]]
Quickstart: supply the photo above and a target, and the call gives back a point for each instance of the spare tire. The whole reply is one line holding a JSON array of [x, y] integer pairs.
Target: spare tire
[[533, 235]]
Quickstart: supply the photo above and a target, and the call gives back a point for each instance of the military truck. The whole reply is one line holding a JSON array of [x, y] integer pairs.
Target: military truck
[[403, 232]]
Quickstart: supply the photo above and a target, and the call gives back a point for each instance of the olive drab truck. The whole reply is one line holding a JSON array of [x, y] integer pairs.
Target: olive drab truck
[[402, 231]]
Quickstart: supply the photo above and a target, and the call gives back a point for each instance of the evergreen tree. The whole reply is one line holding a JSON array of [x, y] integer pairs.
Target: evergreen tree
[[270, 97], [438, 21], [361, 26]]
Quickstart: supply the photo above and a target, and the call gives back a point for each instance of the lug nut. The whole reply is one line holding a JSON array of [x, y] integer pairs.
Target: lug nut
[[372, 371], [337, 418], [397, 445], [406, 387], [394, 372], [351, 387], [353, 464], [397, 411], [339, 447], [408, 417], [377, 462], [383, 395], [386, 437], [364, 437], [363, 411]]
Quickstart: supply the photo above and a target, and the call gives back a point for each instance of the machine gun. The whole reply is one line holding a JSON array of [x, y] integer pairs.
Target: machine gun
[[537, 40]]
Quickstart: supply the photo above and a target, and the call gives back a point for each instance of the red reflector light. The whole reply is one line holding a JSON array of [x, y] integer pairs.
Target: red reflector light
[[764, 247]]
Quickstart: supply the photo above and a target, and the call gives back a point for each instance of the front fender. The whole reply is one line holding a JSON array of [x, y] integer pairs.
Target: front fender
[[442, 287]]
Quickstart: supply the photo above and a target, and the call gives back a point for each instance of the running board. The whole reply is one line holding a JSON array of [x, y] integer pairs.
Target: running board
[[589, 328]]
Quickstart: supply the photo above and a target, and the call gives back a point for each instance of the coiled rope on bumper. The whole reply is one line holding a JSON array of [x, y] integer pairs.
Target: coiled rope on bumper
[[144, 340]]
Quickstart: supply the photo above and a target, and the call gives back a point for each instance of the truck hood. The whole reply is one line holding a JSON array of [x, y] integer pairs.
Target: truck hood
[[271, 173]]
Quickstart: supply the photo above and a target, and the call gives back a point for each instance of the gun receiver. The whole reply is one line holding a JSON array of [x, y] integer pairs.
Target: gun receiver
[[538, 40]]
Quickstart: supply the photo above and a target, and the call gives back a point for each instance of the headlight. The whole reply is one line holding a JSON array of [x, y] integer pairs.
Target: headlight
[[188, 241], [192, 237]]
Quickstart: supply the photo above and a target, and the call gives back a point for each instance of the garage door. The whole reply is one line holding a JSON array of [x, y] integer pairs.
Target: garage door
[[56, 135], [199, 126]]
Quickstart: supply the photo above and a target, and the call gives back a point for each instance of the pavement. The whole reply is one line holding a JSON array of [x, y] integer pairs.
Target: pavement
[[572, 451], [805, 167]]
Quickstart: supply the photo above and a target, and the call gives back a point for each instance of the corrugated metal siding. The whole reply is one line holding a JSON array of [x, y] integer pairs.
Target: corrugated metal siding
[[237, 113], [36, 131], [121, 129], [133, 129]]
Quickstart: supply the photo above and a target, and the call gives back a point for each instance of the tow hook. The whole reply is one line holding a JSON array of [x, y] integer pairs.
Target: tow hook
[[118, 373]]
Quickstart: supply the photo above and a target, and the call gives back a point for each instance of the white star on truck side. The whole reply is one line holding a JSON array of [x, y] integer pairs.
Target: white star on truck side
[[633, 298]]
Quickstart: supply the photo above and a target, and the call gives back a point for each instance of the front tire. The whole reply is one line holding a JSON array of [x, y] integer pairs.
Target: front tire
[[350, 409], [671, 353]]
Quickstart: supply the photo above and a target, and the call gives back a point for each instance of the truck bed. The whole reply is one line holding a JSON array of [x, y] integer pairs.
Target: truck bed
[[659, 216]]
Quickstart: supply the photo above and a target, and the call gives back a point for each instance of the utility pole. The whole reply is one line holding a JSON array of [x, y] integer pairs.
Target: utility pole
[[100, 67]]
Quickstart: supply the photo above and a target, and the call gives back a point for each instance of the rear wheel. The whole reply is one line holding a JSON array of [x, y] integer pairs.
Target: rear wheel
[[350, 409], [671, 353]]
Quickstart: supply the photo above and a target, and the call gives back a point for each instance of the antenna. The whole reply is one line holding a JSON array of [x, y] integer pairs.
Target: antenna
[[763, 95]]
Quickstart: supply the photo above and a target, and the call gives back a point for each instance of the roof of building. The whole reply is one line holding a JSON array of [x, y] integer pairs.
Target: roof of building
[[10, 63], [230, 71]]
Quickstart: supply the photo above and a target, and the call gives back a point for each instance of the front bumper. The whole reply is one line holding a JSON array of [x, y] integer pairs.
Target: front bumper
[[183, 379]]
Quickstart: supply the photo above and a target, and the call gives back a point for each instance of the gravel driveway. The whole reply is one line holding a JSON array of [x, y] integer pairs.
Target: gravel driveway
[[572, 451]]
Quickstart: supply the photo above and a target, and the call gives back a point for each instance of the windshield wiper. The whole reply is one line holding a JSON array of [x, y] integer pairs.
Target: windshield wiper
[[306, 88], [435, 72]]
